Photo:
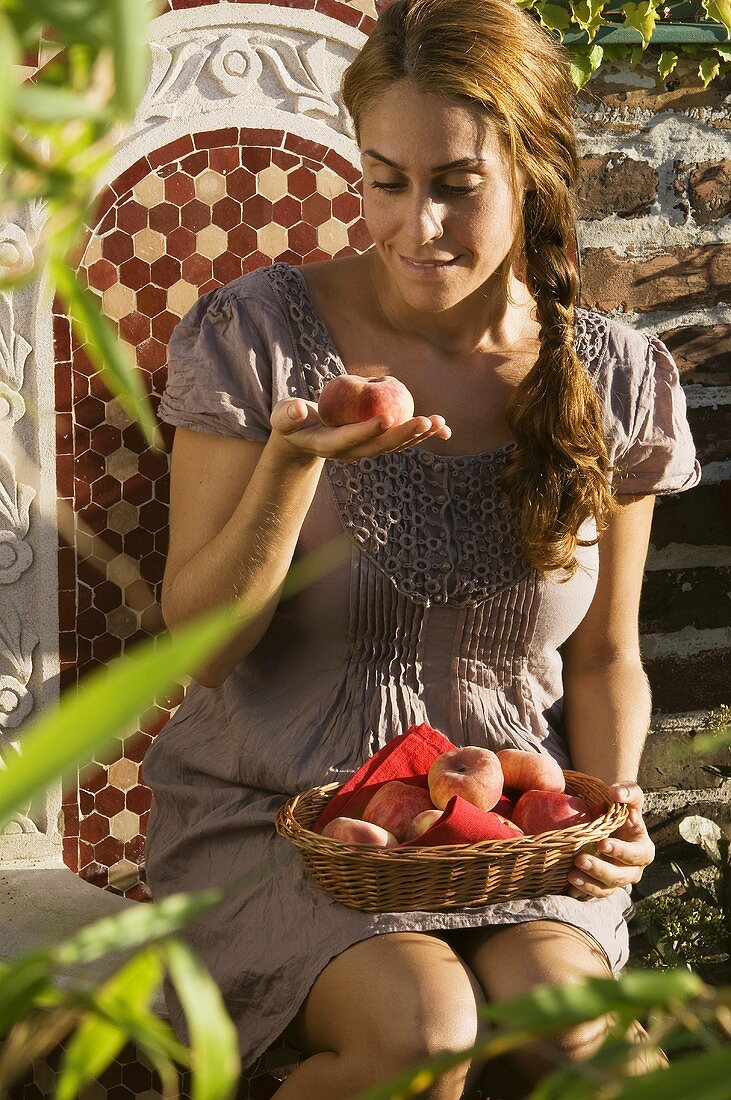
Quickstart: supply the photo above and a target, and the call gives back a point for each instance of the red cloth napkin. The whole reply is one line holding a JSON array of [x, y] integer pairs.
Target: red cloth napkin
[[460, 823], [407, 757]]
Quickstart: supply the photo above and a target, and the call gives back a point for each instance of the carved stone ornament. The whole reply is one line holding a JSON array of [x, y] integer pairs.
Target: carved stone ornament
[[14, 350], [21, 821], [271, 59], [16, 649]]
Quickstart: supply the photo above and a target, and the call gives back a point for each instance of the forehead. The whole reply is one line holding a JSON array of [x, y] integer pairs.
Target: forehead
[[414, 128]]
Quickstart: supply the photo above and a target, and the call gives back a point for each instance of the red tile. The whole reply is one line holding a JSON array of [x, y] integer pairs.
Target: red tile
[[241, 184], [179, 188], [195, 216], [165, 271], [94, 827], [103, 202], [108, 596], [96, 874], [211, 139], [181, 243], [67, 679], [284, 160], [302, 183], [67, 567], [350, 16], [64, 433], [139, 799], [117, 247], [109, 851], [342, 166], [151, 300], [89, 466], [141, 893], [257, 211], [62, 376], [135, 328], [152, 354], [136, 746], [347, 207], [302, 238], [317, 209], [138, 543], [226, 268], [304, 148], [226, 213], [162, 330], [108, 222], [102, 275], [359, 237], [134, 273], [131, 176], [242, 240], [287, 211], [225, 160], [255, 260], [196, 269], [165, 217], [95, 517], [256, 159], [71, 853], [131, 217], [109, 801], [153, 566], [255, 136], [194, 164], [106, 647], [106, 492], [289, 257], [171, 152], [91, 623], [153, 465], [153, 516], [106, 439], [134, 850]]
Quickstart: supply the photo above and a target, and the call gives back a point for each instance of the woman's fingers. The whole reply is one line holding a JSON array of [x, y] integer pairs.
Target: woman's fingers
[[629, 792]]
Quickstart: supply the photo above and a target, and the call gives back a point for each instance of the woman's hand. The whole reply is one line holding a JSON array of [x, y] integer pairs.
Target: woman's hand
[[621, 858], [296, 426]]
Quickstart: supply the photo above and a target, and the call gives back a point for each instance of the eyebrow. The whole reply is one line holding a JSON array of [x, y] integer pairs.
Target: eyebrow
[[463, 162]]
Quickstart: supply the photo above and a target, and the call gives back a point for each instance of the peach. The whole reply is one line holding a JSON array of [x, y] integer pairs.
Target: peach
[[539, 811], [531, 771], [471, 772], [350, 399], [352, 831], [422, 822], [395, 805]]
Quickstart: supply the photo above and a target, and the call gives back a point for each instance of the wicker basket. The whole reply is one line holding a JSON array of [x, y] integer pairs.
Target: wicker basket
[[452, 876]]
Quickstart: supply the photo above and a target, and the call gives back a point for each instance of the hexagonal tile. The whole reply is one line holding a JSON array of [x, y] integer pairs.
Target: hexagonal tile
[[226, 213], [151, 300], [148, 245], [182, 296], [124, 825], [117, 247], [123, 517], [209, 186], [118, 301], [135, 327], [150, 191], [134, 273], [93, 251], [329, 184], [332, 235], [122, 463], [122, 876], [123, 570], [110, 801], [197, 269], [272, 240], [211, 241], [165, 271], [117, 414], [179, 188], [95, 827], [138, 595], [122, 622], [123, 774], [131, 217], [165, 217], [301, 182], [181, 243], [195, 216], [162, 328], [272, 183]]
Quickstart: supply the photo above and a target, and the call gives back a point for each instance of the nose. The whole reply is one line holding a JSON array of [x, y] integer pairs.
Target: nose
[[426, 218]]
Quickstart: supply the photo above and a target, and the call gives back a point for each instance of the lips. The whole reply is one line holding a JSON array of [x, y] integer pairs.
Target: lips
[[424, 266]]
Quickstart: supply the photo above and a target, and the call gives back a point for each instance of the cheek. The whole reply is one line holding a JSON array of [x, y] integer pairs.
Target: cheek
[[381, 220]]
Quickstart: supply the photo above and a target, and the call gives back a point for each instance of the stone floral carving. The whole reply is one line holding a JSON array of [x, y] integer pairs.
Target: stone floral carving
[[15, 499], [16, 648], [14, 350], [289, 68], [21, 821], [16, 252]]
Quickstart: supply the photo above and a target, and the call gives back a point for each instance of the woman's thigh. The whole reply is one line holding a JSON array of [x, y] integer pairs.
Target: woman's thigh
[[400, 996]]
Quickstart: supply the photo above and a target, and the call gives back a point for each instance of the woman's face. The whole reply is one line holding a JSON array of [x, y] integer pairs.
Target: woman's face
[[422, 208]]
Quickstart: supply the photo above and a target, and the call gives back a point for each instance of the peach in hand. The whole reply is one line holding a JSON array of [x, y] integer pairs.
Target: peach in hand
[[531, 771], [350, 399], [471, 772], [352, 831], [539, 811], [395, 805]]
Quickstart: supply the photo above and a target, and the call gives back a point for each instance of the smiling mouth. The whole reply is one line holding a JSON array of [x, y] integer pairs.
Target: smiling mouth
[[427, 263]]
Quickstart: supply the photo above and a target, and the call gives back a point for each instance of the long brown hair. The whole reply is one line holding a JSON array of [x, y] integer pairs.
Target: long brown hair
[[492, 53]]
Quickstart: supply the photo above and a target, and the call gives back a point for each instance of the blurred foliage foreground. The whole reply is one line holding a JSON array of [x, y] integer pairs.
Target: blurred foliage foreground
[[56, 136]]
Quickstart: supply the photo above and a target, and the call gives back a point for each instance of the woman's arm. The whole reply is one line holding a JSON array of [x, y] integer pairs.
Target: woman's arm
[[237, 509], [607, 700]]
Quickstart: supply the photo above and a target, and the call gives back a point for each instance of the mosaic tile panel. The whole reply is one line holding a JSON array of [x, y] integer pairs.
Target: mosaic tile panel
[[189, 217], [355, 13]]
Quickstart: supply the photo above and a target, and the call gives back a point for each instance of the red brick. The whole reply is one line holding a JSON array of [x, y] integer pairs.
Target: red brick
[[697, 681], [674, 280]]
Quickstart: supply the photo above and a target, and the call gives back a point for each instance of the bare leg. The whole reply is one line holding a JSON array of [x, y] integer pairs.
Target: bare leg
[[376, 1010]]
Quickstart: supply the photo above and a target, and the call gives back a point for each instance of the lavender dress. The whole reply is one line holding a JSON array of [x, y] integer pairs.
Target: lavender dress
[[432, 616]]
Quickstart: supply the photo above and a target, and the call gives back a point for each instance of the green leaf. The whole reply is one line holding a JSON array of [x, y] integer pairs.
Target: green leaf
[[20, 983], [642, 17], [9, 51], [214, 1054], [585, 60], [720, 10], [666, 62], [56, 105], [108, 702], [708, 69], [588, 15], [98, 1040], [555, 17], [105, 350], [131, 52], [703, 1076]]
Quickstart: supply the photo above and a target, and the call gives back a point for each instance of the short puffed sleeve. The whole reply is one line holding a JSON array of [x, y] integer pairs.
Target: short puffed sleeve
[[223, 362], [657, 453]]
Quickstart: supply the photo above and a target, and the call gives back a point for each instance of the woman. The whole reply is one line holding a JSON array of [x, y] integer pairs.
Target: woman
[[474, 591]]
